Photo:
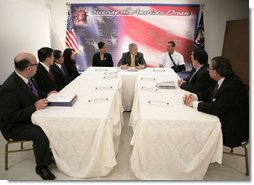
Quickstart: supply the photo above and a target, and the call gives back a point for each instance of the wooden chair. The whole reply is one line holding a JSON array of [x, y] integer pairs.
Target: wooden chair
[[245, 155], [7, 150]]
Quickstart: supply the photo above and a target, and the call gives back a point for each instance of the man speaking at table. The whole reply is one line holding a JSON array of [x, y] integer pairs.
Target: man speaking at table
[[133, 58]]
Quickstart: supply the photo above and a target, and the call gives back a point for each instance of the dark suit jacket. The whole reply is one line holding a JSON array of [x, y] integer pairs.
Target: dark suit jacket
[[126, 59], [16, 104], [71, 69], [199, 82], [106, 62], [60, 78], [231, 105], [44, 81]]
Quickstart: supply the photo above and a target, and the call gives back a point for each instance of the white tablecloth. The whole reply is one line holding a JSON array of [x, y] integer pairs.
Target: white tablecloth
[[84, 138], [171, 140]]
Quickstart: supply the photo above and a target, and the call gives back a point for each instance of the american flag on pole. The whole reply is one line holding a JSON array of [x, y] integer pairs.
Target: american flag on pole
[[71, 39], [200, 35]]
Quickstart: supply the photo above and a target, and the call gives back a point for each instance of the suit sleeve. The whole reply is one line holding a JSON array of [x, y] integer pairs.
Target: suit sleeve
[[143, 62], [122, 60], [10, 107], [111, 64], [226, 99]]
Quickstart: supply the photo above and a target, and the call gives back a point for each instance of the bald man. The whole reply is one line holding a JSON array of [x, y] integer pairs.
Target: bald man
[[19, 98]]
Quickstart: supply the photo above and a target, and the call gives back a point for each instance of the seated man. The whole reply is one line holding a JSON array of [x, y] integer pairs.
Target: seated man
[[133, 58], [61, 78], [172, 58], [199, 79], [19, 99], [227, 99], [44, 75]]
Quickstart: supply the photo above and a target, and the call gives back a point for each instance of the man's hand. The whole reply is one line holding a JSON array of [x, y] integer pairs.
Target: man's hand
[[180, 82], [125, 67], [139, 67], [189, 99], [41, 104]]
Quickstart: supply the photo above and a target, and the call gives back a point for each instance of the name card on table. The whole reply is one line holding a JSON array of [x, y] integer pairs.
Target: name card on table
[[159, 70], [100, 70], [106, 77], [132, 69], [147, 79], [98, 100], [62, 99], [157, 102], [110, 73], [166, 85], [104, 88], [150, 89]]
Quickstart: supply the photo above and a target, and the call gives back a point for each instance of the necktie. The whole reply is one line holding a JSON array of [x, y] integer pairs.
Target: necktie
[[51, 74], [215, 90], [32, 87], [132, 61], [194, 72]]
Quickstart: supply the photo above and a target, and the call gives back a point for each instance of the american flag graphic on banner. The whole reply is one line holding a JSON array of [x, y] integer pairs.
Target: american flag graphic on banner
[[150, 26], [71, 39]]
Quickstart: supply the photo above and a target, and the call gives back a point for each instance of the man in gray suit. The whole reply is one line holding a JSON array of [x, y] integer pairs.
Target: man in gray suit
[[133, 58]]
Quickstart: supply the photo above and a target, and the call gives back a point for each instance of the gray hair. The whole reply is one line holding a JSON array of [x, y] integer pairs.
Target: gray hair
[[132, 45]]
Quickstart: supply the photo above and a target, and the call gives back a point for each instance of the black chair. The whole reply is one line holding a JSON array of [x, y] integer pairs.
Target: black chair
[[245, 155], [7, 150]]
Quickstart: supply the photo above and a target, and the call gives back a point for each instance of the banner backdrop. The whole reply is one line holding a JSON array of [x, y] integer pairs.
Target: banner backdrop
[[151, 26]]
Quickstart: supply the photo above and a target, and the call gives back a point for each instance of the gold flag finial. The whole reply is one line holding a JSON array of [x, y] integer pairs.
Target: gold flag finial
[[202, 6]]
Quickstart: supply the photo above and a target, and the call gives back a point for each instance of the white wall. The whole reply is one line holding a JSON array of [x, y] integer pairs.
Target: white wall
[[27, 28], [24, 27]]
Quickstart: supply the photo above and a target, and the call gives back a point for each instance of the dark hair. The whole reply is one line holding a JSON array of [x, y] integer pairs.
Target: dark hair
[[67, 54], [101, 44], [172, 42], [200, 55], [222, 66], [21, 65], [44, 53], [57, 54]]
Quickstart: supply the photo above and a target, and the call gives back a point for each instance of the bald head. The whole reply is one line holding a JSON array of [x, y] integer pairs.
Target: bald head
[[23, 60]]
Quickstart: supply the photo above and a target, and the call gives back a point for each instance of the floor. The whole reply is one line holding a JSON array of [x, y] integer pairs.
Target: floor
[[21, 164]]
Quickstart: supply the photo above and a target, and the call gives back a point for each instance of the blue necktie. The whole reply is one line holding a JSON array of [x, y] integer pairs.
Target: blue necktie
[[32, 87]]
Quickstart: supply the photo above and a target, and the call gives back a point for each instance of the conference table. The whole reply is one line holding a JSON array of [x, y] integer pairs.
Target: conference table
[[84, 138], [170, 140]]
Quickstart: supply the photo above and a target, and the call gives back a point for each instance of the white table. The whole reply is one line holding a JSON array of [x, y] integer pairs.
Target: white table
[[84, 138], [170, 141]]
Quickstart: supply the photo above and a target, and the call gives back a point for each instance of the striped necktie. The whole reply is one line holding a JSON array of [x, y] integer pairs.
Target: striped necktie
[[132, 61], [32, 87]]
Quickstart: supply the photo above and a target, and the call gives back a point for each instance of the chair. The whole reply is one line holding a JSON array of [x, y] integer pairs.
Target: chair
[[7, 150], [245, 155]]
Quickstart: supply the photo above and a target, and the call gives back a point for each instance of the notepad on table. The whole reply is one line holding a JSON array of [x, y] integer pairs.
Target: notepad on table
[[62, 99]]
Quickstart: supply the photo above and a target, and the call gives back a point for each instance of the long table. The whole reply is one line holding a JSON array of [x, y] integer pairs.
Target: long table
[[171, 140], [84, 138]]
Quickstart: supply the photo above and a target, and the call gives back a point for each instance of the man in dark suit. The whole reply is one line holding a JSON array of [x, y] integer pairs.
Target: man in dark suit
[[199, 79], [44, 76], [19, 98], [227, 99], [133, 58], [61, 78]]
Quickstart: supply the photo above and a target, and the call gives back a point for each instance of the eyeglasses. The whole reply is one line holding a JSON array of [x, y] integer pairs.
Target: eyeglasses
[[209, 69]]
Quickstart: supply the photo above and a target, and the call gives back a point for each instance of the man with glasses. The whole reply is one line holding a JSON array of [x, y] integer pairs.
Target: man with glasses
[[227, 99], [19, 99]]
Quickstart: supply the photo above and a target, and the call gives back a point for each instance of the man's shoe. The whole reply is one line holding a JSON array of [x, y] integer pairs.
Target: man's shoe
[[45, 173]]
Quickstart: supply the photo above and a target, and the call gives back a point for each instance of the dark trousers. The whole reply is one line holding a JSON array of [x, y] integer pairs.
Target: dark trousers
[[40, 141]]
